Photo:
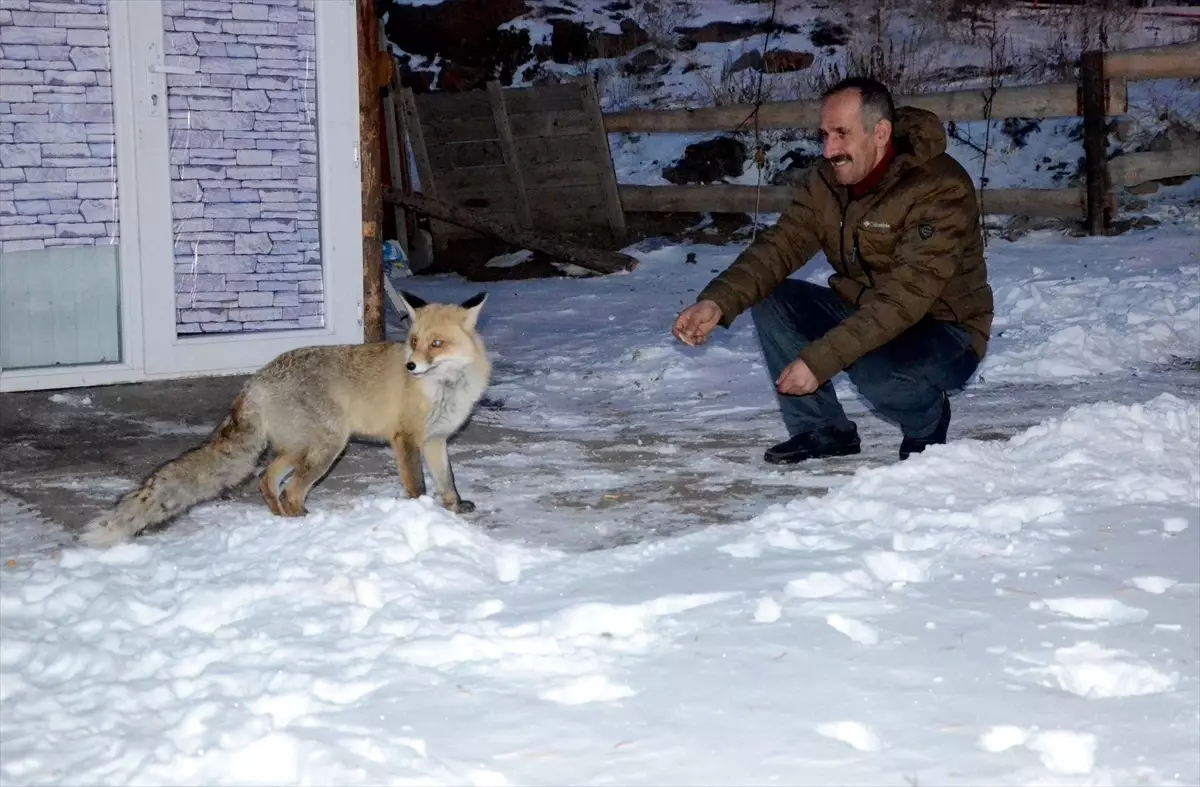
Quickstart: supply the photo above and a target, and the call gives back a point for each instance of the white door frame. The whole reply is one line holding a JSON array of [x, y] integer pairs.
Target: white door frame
[[151, 349]]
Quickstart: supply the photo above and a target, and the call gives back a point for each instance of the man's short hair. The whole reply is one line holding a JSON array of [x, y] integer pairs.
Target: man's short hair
[[876, 99]]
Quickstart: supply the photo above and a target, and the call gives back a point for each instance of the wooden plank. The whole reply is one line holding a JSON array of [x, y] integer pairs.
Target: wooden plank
[[1037, 101], [1175, 61], [592, 259], [563, 174], [544, 124], [543, 98], [537, 151], [369, 169], [1116, 97], [394, 140], [509, 149], [569, 201], [394, 165], [405, 159], [476, 180], [1095, 142], [462, 155], [442, 131], [1133, 169], [1066, 203], [445, 106], [603, 158], [551, 124], [1061, 203], [555, 175], [412, 121]]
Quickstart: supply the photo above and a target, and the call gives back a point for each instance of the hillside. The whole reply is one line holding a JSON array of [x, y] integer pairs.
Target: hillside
[[698, 53]]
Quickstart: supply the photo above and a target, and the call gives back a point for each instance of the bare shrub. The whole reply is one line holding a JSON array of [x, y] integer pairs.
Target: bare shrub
[[660, 19], [897, 62], [1091, 24]]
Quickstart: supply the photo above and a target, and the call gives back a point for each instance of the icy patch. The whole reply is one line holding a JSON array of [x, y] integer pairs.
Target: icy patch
[[1065, 752], [1090, 670], [1103, 611], [852, 733], [1156, 585]]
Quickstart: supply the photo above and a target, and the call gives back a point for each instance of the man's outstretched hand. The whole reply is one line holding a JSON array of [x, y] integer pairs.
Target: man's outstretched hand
[[695, 323], [796, 380]]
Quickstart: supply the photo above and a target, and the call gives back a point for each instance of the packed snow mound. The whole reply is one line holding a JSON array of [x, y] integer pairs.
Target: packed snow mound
[[393, 642]]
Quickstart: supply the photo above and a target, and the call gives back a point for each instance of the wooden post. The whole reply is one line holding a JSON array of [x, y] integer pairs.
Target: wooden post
[[508, 148], [372, 178], [608, 174], [1095, 142]]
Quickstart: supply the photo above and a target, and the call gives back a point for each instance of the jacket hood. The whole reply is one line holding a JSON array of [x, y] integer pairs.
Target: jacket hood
[[918, 134]]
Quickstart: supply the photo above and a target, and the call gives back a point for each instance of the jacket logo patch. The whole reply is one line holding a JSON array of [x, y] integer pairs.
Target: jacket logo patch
[[875, 225], [925, 231]]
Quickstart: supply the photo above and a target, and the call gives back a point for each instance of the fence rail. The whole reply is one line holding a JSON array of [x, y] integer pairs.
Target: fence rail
[[1100, 93], [1132, 169]]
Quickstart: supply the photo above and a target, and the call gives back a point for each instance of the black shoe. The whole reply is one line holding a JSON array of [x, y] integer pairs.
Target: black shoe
[[915, 445], [817, 444]]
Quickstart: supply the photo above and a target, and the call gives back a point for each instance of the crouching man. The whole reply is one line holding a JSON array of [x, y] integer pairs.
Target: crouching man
[[908, 310]]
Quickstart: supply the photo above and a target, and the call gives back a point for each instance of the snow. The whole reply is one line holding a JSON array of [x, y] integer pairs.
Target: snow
[[894, 628], [1019, 606]]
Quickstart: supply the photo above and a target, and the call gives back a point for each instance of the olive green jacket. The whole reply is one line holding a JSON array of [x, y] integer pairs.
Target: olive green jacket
[[911, 247]]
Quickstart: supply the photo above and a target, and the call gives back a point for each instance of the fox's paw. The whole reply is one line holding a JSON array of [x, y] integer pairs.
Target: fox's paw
[[461, 507], [102, 533], [290, 508]]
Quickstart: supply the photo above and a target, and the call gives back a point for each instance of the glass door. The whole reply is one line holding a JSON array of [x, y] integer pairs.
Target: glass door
[[247, 150]]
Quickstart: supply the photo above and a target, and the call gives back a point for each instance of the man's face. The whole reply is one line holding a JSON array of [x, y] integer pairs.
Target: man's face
[[852, 149]]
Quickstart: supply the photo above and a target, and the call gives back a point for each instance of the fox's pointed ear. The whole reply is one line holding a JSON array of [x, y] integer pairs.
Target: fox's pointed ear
[[411, 303], [473, 305]]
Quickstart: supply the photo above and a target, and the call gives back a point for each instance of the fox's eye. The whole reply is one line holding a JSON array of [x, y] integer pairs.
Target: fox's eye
[[413, 342], [436, 343]]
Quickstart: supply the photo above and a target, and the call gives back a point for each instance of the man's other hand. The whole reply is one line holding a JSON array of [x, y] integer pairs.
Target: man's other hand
[[797, 380]]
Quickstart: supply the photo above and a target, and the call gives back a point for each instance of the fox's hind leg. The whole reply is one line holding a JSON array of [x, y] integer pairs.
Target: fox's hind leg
[[268, 482], [311, 467], [408, 464]]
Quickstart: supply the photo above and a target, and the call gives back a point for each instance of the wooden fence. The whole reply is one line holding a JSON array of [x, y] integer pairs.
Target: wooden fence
[[1100, 93]]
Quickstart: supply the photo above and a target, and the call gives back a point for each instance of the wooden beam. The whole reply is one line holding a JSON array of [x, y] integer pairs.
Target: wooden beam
[[508, 148], [1133, 169], [395, 141], [1095, 142], [1036, 101], [416, 136], [369, 168], [1064, 203], [603, 157], [592, 259], [1175, 61]]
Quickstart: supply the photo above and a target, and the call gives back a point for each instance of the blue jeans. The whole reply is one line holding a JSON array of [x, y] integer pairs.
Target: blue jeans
[[903, 380]]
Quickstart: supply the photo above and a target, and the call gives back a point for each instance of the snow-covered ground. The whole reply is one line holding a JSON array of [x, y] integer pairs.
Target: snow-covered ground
[[1021, 606], [1019, 611]]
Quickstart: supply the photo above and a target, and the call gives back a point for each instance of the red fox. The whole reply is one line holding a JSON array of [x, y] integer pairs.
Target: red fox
[[308, 402]]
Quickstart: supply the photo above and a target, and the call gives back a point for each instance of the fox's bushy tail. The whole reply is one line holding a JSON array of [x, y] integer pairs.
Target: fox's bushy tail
[[224, 460]]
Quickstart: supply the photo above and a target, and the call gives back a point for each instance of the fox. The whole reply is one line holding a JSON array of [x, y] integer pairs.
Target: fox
[[308, 402]]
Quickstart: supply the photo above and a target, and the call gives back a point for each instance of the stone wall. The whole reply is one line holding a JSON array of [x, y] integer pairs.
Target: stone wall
[[244, 164], [58, 179]]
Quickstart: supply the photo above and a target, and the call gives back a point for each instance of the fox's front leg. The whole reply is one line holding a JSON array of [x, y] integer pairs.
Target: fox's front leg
[[408, 464], [438, 459]]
